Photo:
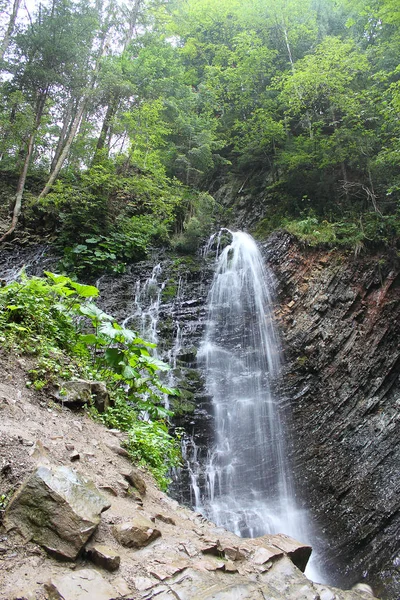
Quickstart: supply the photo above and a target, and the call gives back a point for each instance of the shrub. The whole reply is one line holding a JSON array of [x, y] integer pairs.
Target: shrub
[[56, 320]]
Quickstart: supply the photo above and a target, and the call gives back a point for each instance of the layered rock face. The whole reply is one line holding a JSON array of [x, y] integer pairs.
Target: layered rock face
[[339, 319], [340, 323]]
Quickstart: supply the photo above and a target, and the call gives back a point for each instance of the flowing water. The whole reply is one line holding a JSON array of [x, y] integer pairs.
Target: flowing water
[[246, 480]]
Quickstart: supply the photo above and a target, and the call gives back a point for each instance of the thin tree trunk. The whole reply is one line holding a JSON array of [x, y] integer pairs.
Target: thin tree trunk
[[113, 104], [10, 28], [66, 128], [22, 178], [76, 122], [65, 150], [101, 142], [133, 15]]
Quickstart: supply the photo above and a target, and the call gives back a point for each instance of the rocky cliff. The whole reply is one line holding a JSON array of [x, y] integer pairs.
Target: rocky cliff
[[340, 323]]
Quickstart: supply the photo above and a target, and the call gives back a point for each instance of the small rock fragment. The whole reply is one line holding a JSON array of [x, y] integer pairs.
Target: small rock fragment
[[136, 533], [121, 586], [74, 456], [109, 489], [264, 554], [230, 567], [165, 519], [104, 557], [143, 583], [135, 478], [118, 450]]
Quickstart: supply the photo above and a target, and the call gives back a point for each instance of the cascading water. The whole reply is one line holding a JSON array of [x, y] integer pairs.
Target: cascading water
[[246, 484]]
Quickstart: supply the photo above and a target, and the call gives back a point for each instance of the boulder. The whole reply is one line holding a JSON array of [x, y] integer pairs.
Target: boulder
[[81, 585], [58, 509], [81, 391], [136, 533]]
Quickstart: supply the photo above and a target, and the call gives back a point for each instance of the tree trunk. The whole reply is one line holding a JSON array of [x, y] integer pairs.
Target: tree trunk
[[101, 142], [10, 28], [65, 150], [133, 15], [77, 120], [22, 178], [66, 128]]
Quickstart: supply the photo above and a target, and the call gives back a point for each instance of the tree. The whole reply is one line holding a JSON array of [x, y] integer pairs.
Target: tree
[[46, 56], [10, 28]]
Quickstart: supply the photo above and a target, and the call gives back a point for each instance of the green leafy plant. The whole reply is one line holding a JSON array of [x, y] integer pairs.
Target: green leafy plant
[[56, 321]]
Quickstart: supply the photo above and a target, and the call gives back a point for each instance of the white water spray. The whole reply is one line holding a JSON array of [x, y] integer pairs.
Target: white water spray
[[248, 485]]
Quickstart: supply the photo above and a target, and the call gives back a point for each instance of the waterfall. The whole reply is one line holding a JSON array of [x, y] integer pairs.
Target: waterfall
[[246, 480]]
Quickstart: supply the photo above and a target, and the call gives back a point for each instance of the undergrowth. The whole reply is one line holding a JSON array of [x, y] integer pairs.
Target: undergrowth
[[372, 230], [55, 320]]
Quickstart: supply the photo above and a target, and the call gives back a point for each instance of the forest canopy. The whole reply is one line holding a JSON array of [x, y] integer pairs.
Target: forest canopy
[[127, 122]]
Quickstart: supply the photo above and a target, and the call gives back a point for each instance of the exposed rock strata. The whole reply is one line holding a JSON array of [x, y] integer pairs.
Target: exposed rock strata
[[340, 321], [339, 318]]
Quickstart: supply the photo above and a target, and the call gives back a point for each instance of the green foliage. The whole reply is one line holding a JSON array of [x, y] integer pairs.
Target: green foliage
[[201, 213], [100, 253], [311, 231], [279, 100], [149, 442], [4, 500], [371, 230], [55, 320]]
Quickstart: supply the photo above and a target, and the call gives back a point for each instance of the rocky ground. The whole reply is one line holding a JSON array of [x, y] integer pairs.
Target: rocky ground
[[145, 545]]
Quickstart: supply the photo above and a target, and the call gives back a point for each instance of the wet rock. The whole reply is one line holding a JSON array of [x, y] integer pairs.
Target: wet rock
[[136, 533], [85, 584], [58, 509], [343, 380], [104, 557], [363, 588], [187, 355]]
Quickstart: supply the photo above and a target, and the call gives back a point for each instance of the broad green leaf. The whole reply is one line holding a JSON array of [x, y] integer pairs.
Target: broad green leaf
[[144, 343], [129, 373], [57, 278], [90, 339], [92, 311], [110, 331], [170, 391], [150, 361], [85, 291], [113, 356]]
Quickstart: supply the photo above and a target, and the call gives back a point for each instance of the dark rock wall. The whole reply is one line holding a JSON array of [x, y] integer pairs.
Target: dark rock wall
[[340, 323]]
